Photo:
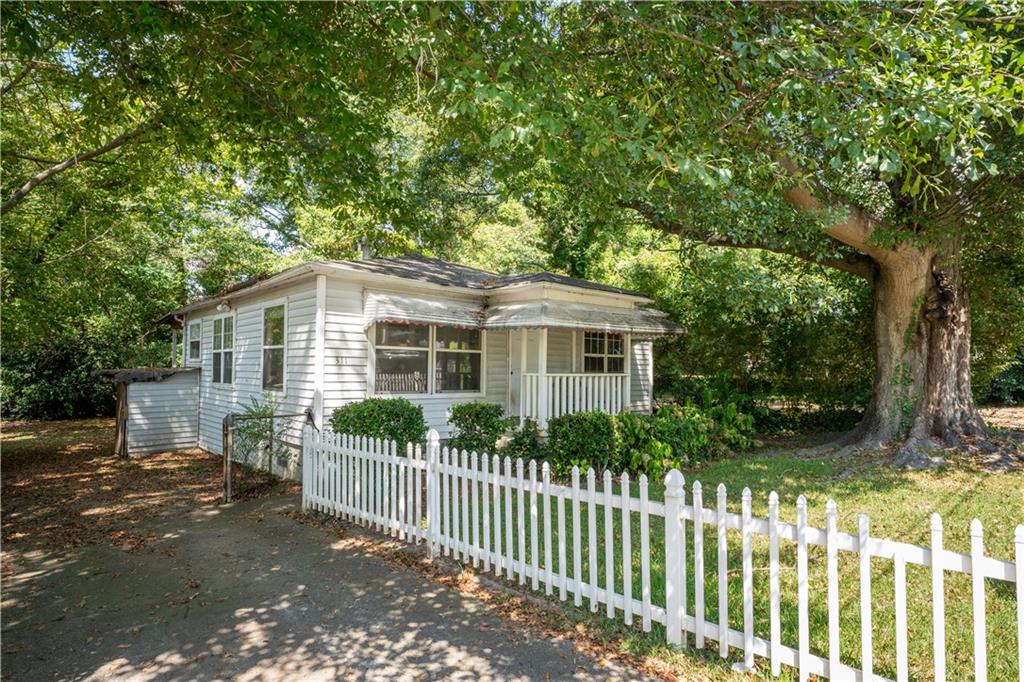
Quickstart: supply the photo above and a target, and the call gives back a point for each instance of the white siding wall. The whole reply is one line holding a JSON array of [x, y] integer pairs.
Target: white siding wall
[[346, 347], [640, 378], [163, 415], [217, 400], [497, 368]]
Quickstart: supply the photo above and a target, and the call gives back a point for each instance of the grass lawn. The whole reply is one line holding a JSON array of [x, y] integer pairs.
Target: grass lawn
[[899, 504]]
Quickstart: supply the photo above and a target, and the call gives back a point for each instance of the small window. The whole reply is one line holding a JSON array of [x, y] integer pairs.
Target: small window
[[273, 348], [401, 358], [603, 353], [195, 340], [457, 362], [223, 350]]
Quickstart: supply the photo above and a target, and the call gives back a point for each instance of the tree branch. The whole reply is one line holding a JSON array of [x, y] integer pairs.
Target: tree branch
[[856, 264], [42, 176]]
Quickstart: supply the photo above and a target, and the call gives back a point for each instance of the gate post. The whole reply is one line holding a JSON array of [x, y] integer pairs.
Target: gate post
[[433, 503]]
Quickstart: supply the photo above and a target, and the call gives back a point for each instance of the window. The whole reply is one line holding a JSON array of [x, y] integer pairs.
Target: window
[[603, 353], [405, 353], [223, 350], [273, 348], [402, 358], [195, 340], [457, 361]]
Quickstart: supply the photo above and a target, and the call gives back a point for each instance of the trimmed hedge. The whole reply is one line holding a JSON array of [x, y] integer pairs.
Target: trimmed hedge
[[394, 419], [583, 439], [478, 426]]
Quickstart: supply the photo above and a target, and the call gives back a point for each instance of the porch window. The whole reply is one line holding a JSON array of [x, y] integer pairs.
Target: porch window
[[223, 350], [402, 358], [603, 353], [195, 340], [273, 348], [458, 359]]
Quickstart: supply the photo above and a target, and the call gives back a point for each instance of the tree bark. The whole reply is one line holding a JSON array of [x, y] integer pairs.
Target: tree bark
[[922, 384]]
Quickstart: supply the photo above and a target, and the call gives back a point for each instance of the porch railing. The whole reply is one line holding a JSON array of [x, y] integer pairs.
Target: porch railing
[[547, 396]]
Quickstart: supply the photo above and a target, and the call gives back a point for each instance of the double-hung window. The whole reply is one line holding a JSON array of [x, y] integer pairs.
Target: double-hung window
[[273, 348], [195, 340], [457, 360], [603, 353], [405, 353], [223, 350]]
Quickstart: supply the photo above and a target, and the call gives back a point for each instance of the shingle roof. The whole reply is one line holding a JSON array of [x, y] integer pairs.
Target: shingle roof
[[436, 271]]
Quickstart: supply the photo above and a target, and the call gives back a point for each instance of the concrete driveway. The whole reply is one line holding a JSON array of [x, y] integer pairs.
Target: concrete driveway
[[243, 592]]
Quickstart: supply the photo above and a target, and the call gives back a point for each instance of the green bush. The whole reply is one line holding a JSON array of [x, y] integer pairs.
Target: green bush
[[525, 442], [478, 426], [583, 439], [394, 419], [642, 449]]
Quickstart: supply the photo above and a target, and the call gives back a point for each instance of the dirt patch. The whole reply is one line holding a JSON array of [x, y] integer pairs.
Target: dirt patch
[[1004, 417], [62, 487]]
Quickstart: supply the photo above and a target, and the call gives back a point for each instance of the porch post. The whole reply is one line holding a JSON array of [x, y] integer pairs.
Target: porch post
[[627, 351], [174, 348], [522, 376], [542, 370]]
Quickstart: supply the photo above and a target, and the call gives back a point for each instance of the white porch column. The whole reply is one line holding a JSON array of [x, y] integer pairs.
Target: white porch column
[[627, 351], [542, 370], [522, 375]]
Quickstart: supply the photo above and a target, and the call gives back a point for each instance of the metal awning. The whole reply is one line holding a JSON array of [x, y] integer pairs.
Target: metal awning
[[386, 306], [553, 314]]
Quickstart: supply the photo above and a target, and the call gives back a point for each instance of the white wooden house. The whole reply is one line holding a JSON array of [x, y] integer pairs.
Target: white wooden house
[[324, 334]]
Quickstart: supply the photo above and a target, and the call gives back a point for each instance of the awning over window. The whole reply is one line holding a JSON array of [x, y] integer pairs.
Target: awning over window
[[537, 314], [386, 306]]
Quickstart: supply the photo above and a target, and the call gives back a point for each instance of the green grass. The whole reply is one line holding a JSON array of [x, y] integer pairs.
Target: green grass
[[899, 504]]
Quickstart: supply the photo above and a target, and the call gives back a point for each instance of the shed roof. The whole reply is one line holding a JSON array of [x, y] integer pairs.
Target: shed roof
[[131, 375]]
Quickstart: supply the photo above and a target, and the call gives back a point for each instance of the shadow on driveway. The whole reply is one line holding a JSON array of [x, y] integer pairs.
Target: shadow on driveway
[[242, 592]]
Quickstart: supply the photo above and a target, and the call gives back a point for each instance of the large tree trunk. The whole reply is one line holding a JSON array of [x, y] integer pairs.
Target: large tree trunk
[[922, 385]]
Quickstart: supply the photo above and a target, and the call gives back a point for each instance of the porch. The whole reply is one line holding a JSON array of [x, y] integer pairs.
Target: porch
[[560, 371]]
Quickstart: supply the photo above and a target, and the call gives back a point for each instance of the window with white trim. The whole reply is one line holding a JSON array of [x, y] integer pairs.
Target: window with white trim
[[603, 353], [273, 347], [404, 354], [195, 340], [457, 361], [223, 350]]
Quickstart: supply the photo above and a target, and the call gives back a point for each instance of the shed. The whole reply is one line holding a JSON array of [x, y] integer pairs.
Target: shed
[[157, 409]]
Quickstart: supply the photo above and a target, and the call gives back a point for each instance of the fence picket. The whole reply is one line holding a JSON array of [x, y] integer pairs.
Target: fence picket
[[508, 518], [577, 553], [534, 531], [900, 603], [627, 549], [803, 617], [748, 584], [474, 485], [938, 602], [609, 545], [697, 500], [832, 571], [645, 555], [365, 481], [546, 481], [978, 594], [774, 609], [592, 536], [723, 576], [521, 519], [866, 653]]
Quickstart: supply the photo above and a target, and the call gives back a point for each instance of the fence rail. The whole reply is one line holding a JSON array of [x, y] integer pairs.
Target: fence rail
[[512, 518]]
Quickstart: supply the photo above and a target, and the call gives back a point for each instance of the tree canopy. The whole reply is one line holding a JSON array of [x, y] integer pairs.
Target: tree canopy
[[865, 160]]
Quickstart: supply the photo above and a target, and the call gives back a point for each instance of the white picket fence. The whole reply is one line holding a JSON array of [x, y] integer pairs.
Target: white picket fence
[[484, 511]]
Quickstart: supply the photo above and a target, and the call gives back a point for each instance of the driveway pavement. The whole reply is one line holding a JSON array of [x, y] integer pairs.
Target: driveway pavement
[[242, 592]]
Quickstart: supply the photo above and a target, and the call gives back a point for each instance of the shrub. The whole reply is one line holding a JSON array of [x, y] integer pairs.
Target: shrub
[[642, 449], [478, 425], [394, 419], [525, 442], [583, 439], [258, 439]]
